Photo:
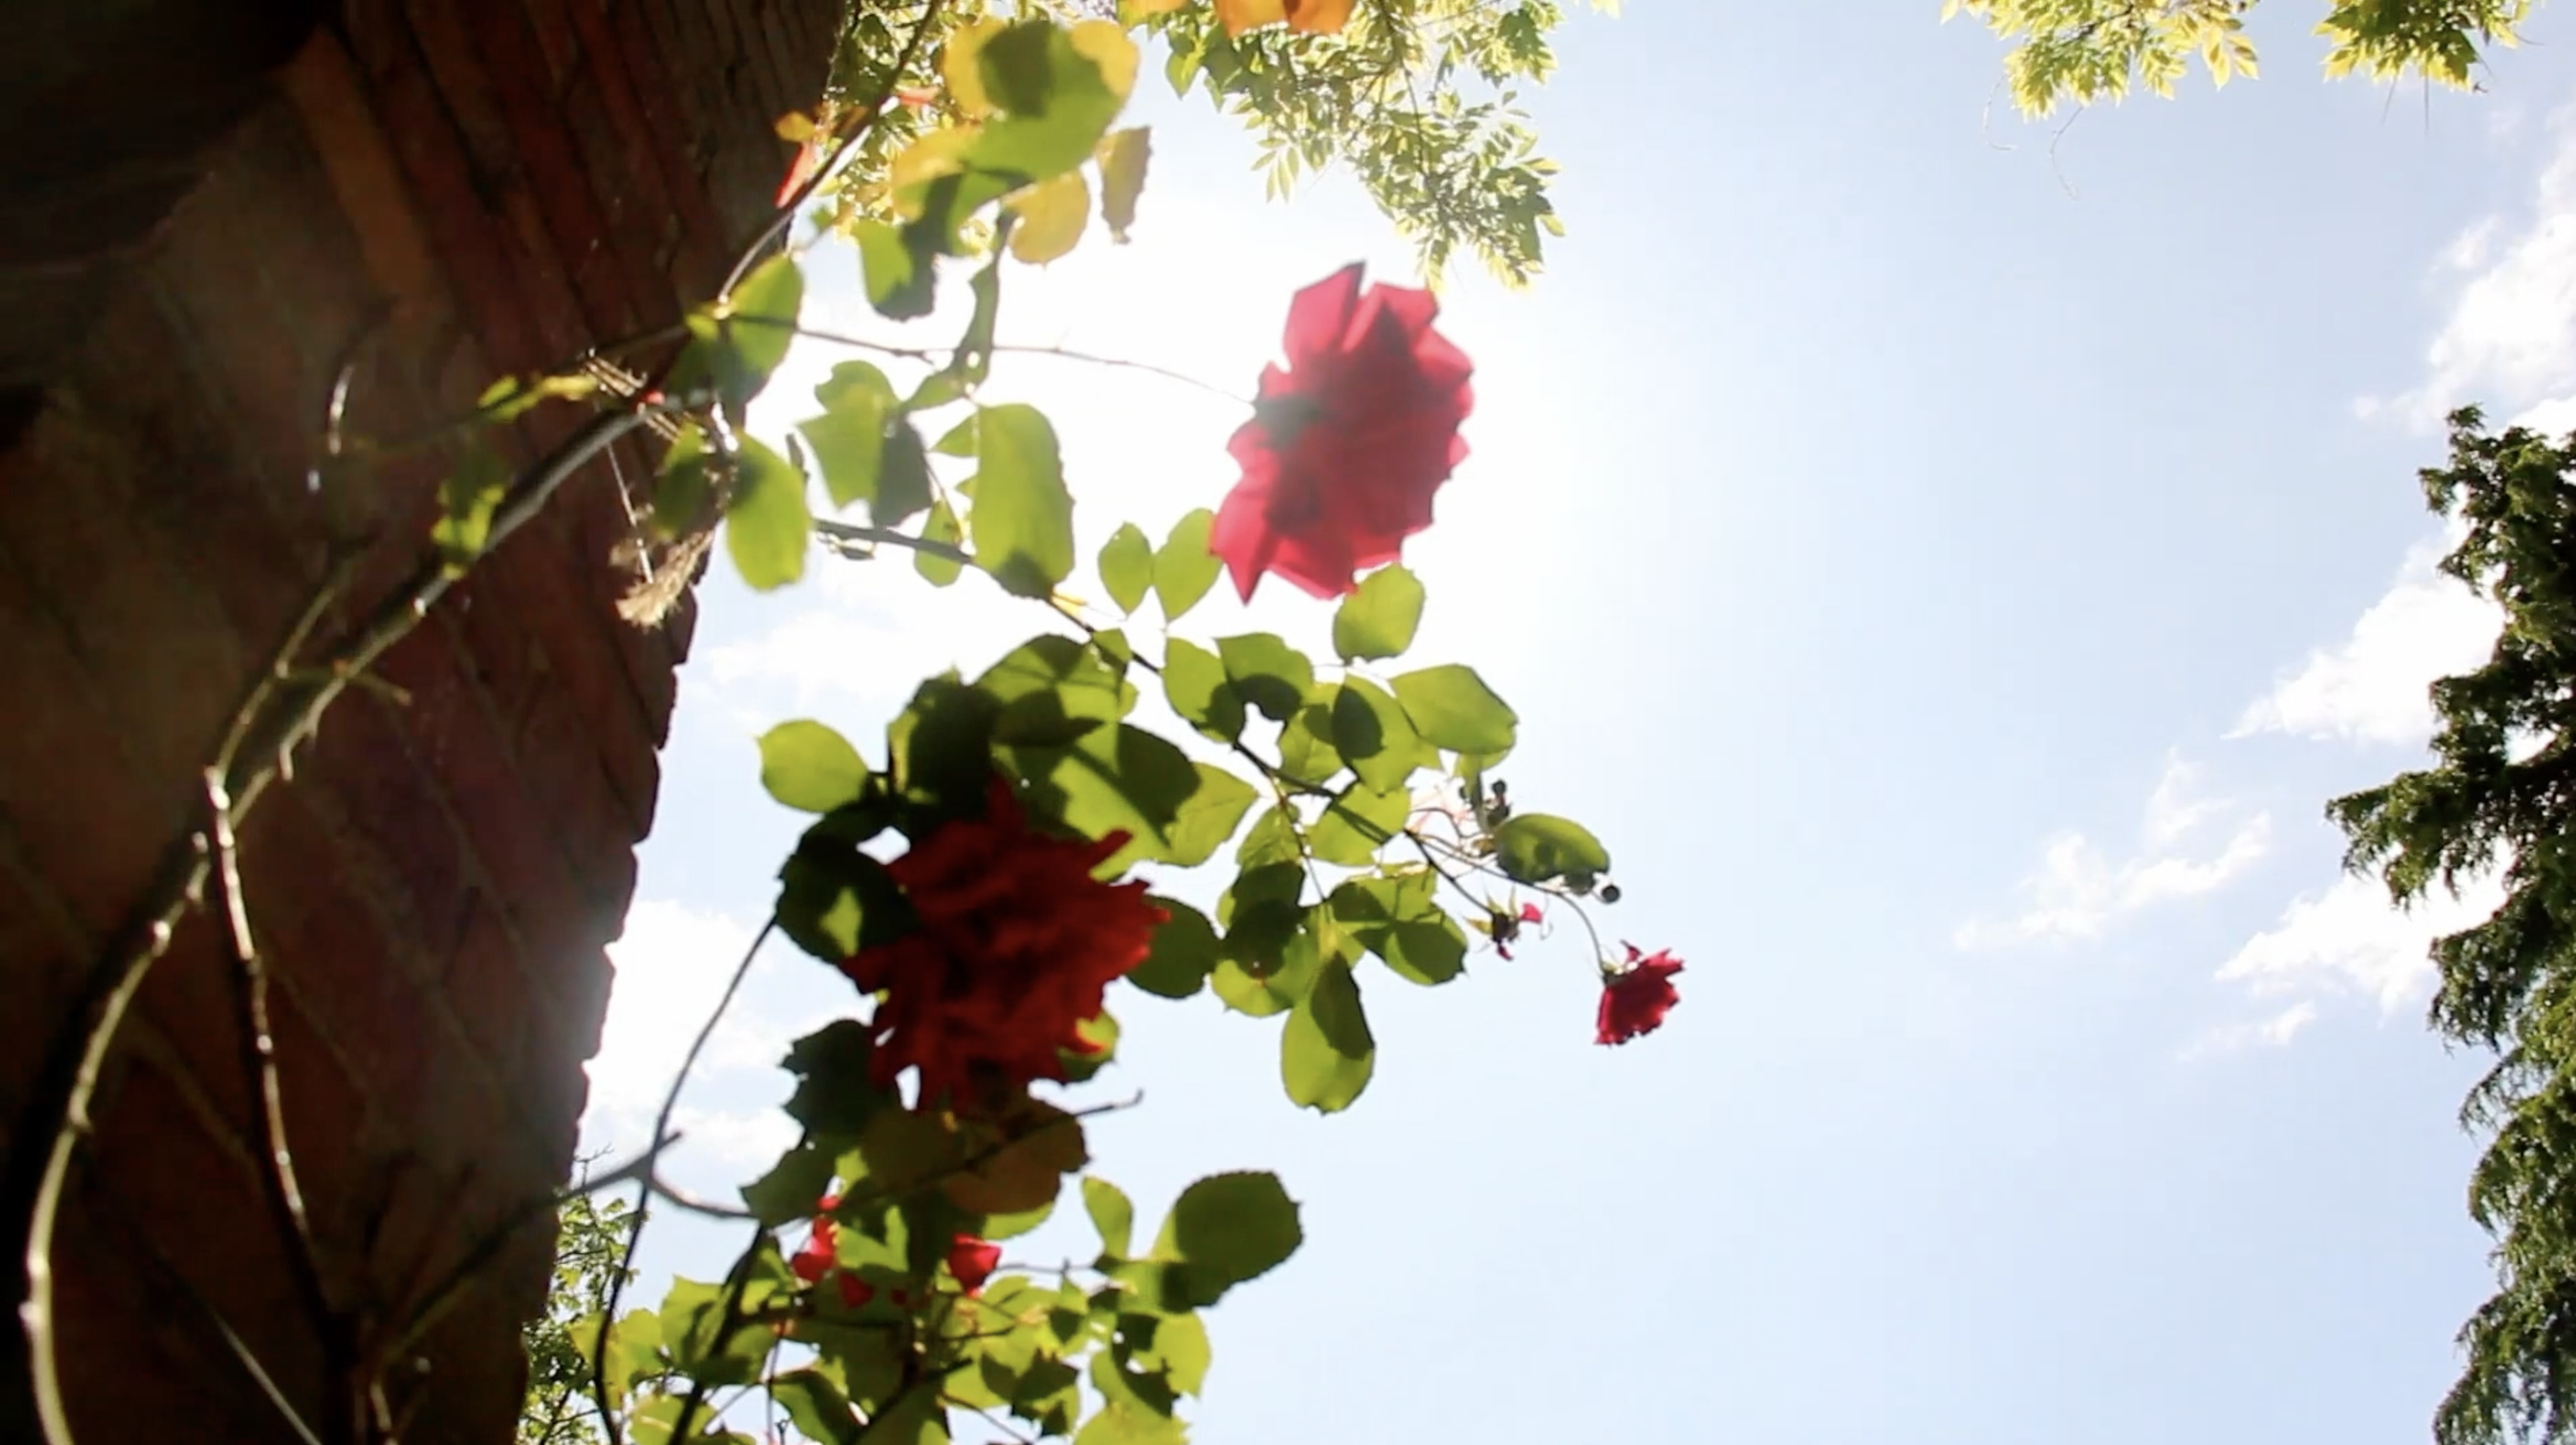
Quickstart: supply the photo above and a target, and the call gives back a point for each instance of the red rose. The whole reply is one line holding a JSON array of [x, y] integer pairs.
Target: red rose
[[1635, 999], [818, 1259], [1016, 946], [973, 1261], [1347, 444]]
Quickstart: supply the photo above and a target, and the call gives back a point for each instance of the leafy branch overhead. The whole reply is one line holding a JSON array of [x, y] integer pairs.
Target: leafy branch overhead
[[967, 870], [2082, 51], [1421, 99]]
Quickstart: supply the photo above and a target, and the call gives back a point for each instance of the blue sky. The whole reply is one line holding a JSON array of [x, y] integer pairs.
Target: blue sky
[[1951, 577]]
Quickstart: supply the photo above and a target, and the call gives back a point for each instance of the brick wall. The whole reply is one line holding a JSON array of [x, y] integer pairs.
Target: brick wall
[[471, 186]]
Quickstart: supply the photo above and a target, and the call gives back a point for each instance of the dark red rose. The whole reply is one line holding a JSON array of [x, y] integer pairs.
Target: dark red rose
[[1016, 946], [817, 1259], [1348, 442], [1635, 999], [973, 1262], [1506, 928]]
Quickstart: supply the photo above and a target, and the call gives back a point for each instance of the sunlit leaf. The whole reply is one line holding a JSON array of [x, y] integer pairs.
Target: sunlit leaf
[[1184, 568], [809, 767], [1127, 566], [1378, 619], [1326, 1052], [1022, 521], [767, 524]]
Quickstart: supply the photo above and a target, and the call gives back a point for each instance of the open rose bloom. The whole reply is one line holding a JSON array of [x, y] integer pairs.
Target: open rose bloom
[[1347, 442], [1635, 999], [1016, 946]]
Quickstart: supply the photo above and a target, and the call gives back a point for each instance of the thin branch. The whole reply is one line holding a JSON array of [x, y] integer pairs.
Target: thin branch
[[786, 213], [635, 1229], [939, 355], [277, 1175], [281, 709]]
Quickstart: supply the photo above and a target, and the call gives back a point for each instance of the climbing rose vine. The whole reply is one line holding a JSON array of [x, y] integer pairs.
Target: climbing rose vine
[[1318, 825]]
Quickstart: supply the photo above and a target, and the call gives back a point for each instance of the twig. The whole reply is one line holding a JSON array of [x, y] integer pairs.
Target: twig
[[928, 355], [277, 1175], [635, 1229], [786, 213], [279, 712]]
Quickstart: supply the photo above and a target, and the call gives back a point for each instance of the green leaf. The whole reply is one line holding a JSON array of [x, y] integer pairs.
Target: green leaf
[[809, 767], [758, 322], [903, 478], [1398, 917], [1127, 566], [1054, 690], [1357, 823], [847, 446], [467, 500], [834, 899], [1099, 1036], [958, 440], [941, 745], [1452, 708], [1195, 684], [1055, 102], [792, 1187], [1183, 952], [998, 1227], [681, 494], [767, 525], [1023, 517], [835, 1090], [1112, 779], [737, 342], [1372, 733], [1226, 1230], [1180, 1350], [1270, 674], [1306, 751], [818, 1408], [512, 397], [1378, 620], [1538, 848], [1208, 820], [856, 386], [1121, 1423], [1124, 158], [1326, 1053], [941, 526], [1274, 841], [896, 266], [1111, 1214], [1184, 568], [1269, 958]]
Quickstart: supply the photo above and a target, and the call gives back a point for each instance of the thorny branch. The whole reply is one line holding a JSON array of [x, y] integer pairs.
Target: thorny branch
[[279, 713]]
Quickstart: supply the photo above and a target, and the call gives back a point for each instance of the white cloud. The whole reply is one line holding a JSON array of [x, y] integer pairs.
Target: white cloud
[[2348, 939], [2269, 1033], [2510, 340], [672, 966], [2373, 686], [2078, 892]]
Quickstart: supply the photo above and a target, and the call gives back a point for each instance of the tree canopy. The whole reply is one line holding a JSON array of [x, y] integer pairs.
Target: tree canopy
[[2502, 793], [2081, 51], [1419, 98]]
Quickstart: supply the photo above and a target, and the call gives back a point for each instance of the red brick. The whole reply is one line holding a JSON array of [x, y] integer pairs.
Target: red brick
[[636, 85]]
